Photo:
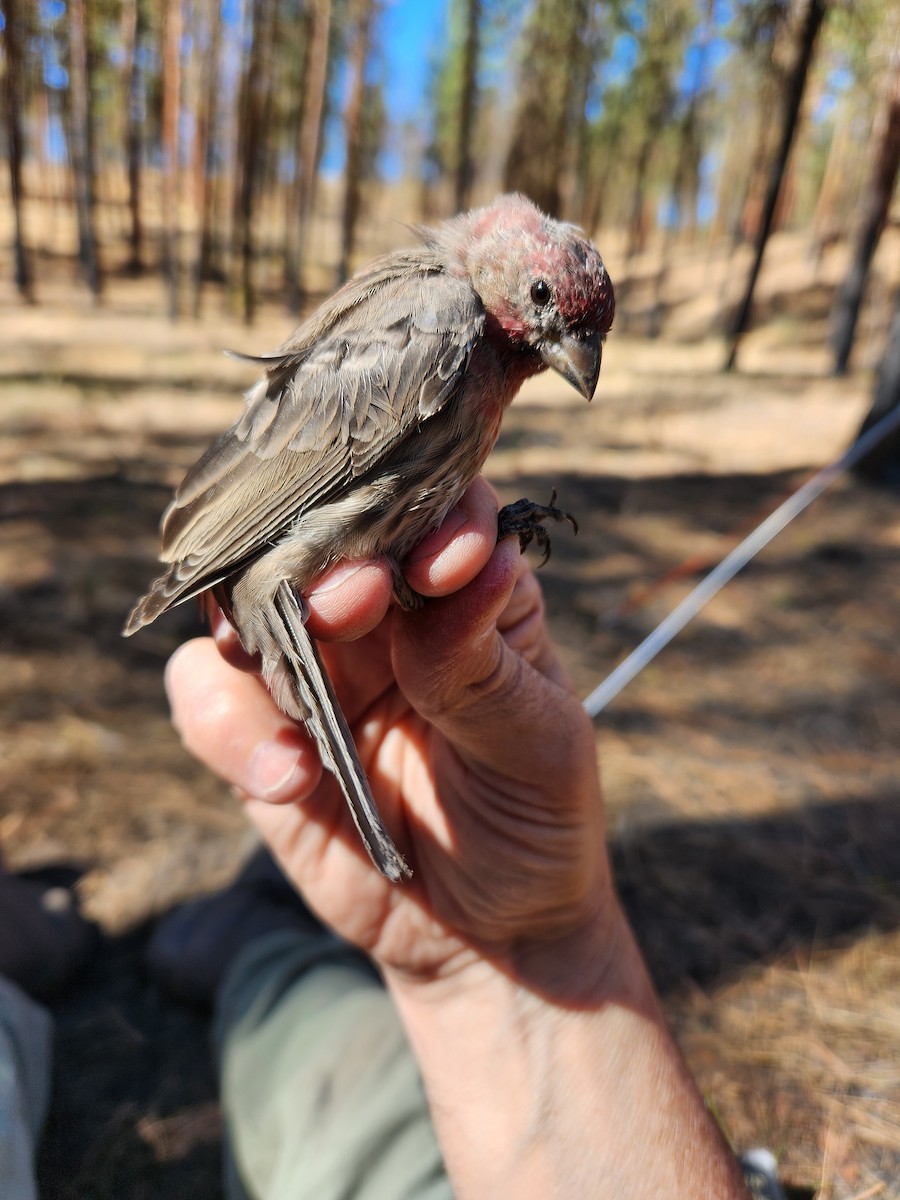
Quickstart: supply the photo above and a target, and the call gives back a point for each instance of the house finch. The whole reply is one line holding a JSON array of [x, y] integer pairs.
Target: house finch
[[365, 429]]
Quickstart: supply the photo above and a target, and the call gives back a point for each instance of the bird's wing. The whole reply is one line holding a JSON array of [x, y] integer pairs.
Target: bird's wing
[[385, 354]]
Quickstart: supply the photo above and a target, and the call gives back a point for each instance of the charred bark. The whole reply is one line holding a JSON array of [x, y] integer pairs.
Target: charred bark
[[12, 48], [793, 99], [877, 201]]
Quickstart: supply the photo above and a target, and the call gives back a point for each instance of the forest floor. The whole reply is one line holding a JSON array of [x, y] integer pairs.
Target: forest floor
[[751, 772]]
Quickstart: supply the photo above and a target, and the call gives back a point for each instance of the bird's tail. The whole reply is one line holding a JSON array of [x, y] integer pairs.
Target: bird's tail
[[322, 713]]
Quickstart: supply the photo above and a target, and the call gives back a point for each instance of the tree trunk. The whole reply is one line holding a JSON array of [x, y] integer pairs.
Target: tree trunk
[[793, 98], [311, 137], [210, 13], [251, 130], [292, 192], [462, 183], [131, 77], [882, 463], [826, 222], [637, 225], [757, 178], [594, 51], [594, 204], [171, 106], [311, 110], [12, 48], [684, 181], [359, 56], [81, 138], [550, 80], [876, 202]]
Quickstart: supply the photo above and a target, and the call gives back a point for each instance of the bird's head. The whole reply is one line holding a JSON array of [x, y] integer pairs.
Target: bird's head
[[543, 286]]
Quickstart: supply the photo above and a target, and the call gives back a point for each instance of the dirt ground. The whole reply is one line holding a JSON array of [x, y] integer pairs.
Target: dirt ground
[[751, 772]]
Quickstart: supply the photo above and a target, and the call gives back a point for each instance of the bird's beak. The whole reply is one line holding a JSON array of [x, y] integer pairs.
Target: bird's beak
[[577, 358]]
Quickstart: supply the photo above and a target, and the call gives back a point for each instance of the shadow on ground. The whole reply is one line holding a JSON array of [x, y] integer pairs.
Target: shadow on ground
[[708, 899], [796, 669]]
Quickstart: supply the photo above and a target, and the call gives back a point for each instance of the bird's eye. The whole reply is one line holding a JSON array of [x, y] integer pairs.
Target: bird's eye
[[540, 293]]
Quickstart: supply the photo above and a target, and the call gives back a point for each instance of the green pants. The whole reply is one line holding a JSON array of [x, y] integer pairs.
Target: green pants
[[320, 1090]]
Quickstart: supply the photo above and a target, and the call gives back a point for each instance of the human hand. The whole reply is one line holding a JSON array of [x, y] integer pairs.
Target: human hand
[[541, 1043], [479, 755]]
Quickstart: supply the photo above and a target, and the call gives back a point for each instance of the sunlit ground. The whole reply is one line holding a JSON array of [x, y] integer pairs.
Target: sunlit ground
[[751, 773]]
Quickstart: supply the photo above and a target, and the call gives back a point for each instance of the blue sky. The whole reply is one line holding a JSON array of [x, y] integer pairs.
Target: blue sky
[[412, 32], [410, 35]]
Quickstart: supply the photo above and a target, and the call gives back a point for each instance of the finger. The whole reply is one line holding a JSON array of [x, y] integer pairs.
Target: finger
[[445, 649], [227, 719], [353, 598], [453, 555], [360, 671], [523, 626], [350, 600], [465, 676]]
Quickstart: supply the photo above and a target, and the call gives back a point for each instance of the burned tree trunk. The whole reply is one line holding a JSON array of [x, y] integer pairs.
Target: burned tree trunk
[[12, 47], [882, 463], [793, 99], [254, 100], [549, 85], [131, 33], [876, 203]]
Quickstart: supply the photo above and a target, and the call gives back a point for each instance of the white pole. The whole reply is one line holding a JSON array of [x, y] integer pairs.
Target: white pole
[[673, 624]]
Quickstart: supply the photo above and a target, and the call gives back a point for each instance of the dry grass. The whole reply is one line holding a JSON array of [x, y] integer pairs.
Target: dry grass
[[751, 772]]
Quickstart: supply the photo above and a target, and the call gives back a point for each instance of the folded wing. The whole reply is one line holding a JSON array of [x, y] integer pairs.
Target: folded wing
[[388, 352]]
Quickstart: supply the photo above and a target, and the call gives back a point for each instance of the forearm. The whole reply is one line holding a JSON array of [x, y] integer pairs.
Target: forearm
[[534, 1097]]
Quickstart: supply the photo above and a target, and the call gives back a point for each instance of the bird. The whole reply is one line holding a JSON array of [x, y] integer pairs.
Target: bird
[[363, 431]]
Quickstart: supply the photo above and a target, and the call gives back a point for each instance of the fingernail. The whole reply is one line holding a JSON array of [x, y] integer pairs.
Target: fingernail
[[273, 768], [340, 574], [435, 542]]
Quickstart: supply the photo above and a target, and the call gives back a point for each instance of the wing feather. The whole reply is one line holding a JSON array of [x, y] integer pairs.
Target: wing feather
[[344, 389]]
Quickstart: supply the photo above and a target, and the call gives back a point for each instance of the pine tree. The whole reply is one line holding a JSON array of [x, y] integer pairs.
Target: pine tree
[[81, 140], [793, 97], [875, 206], [309, 142], [12, 48], [550, 82], [365, 12]]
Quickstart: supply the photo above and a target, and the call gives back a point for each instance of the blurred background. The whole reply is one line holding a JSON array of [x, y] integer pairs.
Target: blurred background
[[184, 176]]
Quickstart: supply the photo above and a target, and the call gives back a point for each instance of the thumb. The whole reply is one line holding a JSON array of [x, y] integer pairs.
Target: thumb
[[490, 690]]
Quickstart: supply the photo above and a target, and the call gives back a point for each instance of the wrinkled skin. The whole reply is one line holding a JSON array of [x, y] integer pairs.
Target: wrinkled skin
[[438, 700], [544, 1053]]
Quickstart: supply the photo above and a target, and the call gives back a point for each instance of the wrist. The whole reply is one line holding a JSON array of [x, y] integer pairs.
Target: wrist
[[499, 1040], [533, 982], [572, 1088], [573, 960]]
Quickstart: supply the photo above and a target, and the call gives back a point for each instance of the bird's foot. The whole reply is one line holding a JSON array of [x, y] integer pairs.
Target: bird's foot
[[525, 519]]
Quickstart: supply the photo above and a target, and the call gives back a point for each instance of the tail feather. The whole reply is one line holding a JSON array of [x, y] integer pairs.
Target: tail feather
[[326, 721]]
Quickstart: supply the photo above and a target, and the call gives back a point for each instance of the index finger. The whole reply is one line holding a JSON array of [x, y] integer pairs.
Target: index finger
[[352, 598]]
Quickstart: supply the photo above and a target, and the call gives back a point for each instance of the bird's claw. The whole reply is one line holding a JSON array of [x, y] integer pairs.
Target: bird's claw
[[525, 519]]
